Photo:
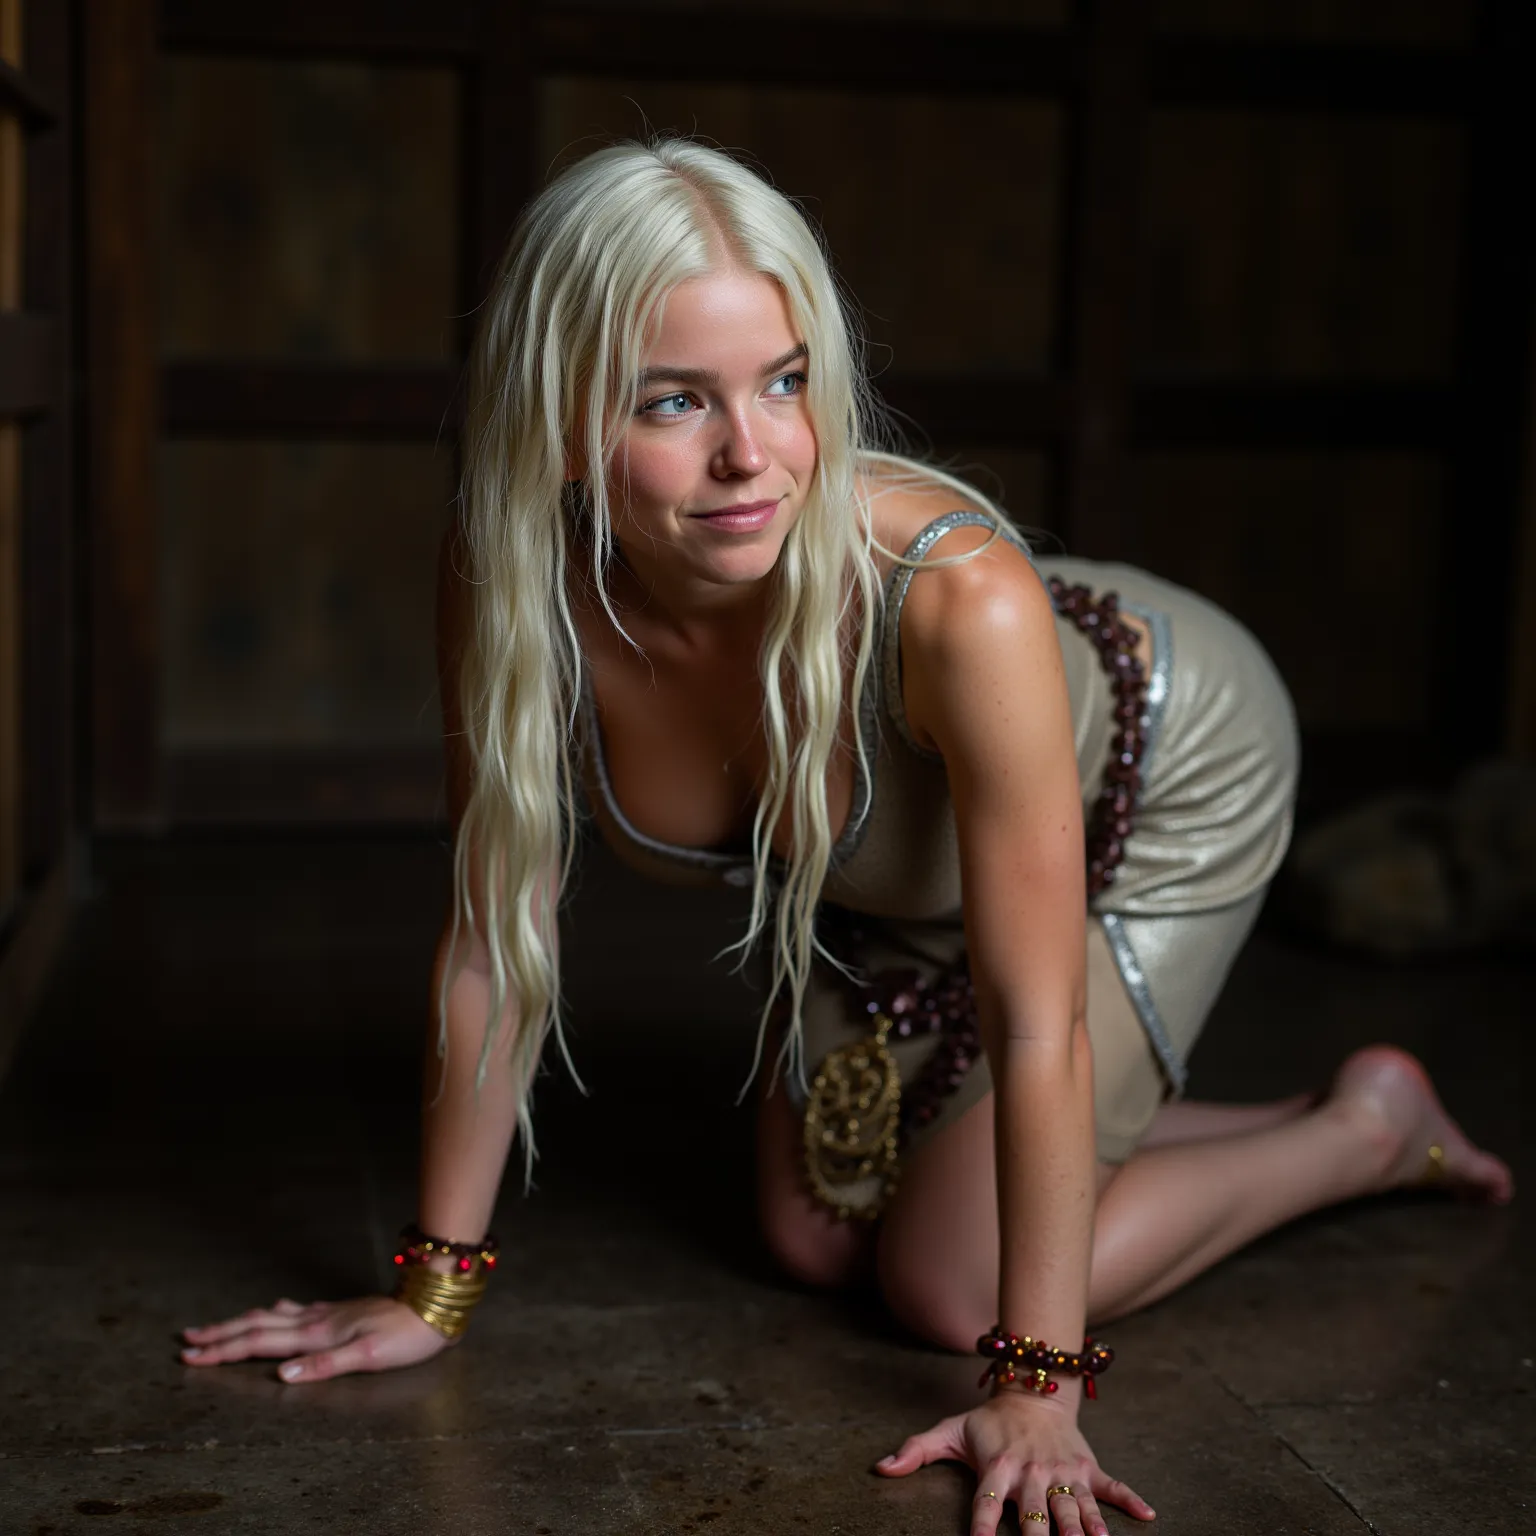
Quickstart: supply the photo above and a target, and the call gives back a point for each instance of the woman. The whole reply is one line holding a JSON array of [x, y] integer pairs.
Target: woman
[[689, 599]]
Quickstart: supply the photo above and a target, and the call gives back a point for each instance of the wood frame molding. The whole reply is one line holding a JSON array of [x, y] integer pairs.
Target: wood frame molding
[[122, 411]]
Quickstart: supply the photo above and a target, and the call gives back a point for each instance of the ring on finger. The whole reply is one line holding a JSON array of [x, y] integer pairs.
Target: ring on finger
[[1065, 1488], [1036, 1514], [989, 1494]]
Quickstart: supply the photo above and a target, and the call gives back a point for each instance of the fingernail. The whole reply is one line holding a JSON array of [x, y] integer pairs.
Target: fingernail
[[886, 1461], [191, 1353], [290, 1371]]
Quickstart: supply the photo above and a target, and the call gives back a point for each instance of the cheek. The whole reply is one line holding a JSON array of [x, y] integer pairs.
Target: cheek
[[794, 442], [657, 471]]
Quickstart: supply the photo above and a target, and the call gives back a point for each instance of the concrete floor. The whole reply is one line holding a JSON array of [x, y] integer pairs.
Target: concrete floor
[[215, 1107]]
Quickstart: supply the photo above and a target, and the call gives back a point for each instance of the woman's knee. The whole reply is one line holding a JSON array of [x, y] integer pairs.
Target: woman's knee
[[809, 1245]]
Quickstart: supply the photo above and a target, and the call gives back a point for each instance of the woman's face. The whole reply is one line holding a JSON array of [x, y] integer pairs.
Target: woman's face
[[717, 460]]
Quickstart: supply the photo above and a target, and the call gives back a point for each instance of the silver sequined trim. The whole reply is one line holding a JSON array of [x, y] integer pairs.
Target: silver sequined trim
[[1135, 980], [895, 596]]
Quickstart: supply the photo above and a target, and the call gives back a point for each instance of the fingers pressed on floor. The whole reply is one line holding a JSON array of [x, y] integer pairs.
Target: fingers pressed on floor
[[987, 1506], [1066, 1512], [1092, 1515], [1034, 1509], [321, 1366], [1113, 1491]]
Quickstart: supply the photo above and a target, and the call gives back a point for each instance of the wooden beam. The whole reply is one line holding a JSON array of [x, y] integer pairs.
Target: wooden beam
[[27, 355], [353, 785], [21, 95], [849, 54], [1311, 77], [231, 399], [382, 30], [122, 412], [1239, 414], [50, 680], [424, 402], [842, 55]]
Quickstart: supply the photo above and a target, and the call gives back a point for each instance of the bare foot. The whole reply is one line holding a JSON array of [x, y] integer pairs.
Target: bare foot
[[1392, 1089]]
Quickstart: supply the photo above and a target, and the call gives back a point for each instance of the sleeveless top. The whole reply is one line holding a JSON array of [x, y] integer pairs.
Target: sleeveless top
[[898, 855]]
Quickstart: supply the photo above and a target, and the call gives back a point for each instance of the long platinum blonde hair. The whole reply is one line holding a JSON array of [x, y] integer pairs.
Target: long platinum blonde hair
[[553, 382]]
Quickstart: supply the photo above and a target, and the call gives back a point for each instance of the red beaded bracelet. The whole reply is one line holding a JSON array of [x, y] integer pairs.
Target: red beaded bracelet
[[416, 1247], [1007, 1355]]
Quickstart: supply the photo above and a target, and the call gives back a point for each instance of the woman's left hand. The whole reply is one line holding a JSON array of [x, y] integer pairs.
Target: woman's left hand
[[1020, 1447]]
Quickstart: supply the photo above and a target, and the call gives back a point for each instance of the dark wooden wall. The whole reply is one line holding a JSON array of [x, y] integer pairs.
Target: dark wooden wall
[[1228, 287], [40, 820]]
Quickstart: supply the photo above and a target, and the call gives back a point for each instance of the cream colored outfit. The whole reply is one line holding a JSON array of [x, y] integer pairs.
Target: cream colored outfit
[[1212, 822]]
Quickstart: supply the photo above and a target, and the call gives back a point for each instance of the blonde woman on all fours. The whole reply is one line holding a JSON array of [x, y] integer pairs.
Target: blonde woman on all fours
[[1006, 822]]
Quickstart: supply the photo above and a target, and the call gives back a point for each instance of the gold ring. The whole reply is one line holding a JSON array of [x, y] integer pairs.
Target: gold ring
[[989, 1495], [1435, 1169], [1065, 1488], [1036, 1514]]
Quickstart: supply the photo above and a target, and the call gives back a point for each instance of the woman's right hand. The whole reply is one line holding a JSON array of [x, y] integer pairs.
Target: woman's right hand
[[318, 1341]]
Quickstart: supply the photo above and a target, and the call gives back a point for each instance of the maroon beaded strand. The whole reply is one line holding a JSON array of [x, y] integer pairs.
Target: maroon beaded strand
[[1007, 1355], [1112, 817], [417, 1247]]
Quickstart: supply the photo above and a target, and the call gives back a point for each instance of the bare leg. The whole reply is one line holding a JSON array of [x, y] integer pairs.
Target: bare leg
[[808, 1240], [1198, 1120], [1170, 1213]]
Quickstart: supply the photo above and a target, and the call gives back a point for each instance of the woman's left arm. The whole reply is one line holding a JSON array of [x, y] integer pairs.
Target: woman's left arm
[[983, 683]]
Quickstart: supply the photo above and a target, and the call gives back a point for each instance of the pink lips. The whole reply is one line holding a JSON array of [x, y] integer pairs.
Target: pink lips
[[743, 518]]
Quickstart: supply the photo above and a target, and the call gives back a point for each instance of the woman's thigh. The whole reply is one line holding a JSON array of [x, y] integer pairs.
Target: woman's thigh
[[807, 1239]]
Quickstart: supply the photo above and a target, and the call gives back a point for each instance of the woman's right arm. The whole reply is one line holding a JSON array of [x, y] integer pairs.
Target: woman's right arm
[[466, 1130]]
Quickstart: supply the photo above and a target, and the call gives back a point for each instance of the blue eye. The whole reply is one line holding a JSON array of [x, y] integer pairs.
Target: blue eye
[[797, 379], [661, 405]]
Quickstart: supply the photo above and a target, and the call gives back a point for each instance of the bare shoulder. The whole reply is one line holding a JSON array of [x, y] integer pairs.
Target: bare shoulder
[[976, 616]]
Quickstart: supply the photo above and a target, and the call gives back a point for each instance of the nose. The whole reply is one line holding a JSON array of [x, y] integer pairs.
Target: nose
[[739, 454]]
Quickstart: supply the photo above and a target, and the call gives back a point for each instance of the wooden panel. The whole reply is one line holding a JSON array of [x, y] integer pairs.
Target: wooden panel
[[299, 582], [952, 257], [307, 209], [1001, 13], [50, 682], [1299, 246], [15, 360], [353, 29], [1335, 21], [294, 399], [119, 83], [1331, 561]]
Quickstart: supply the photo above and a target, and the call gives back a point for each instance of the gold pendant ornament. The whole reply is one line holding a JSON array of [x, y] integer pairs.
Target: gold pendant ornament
[[852, 1122]]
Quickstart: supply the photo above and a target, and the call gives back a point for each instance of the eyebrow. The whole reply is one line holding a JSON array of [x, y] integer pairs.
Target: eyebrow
[[665, 372]]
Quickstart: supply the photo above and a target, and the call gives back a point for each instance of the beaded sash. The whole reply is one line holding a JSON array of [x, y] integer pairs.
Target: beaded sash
[[860, 1115]]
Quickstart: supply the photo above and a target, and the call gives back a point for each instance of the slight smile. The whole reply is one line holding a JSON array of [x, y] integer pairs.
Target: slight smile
[[745, 517]]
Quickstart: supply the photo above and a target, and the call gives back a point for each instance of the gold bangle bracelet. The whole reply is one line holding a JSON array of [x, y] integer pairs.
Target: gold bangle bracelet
[[443, 1302]]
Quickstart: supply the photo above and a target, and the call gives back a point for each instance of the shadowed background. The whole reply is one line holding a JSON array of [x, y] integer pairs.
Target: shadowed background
[[1234, 289]]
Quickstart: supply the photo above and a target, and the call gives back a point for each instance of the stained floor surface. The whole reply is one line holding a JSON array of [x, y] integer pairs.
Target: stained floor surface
[[215, 1107]]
